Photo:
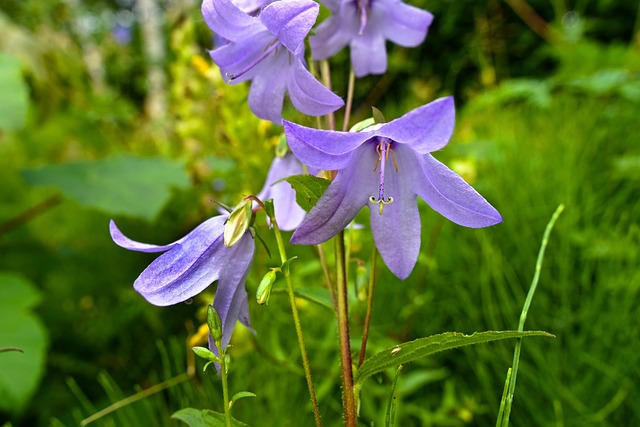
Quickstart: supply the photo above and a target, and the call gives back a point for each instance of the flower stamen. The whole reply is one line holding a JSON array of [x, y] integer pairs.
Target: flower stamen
[[270, 48], [363, 8]]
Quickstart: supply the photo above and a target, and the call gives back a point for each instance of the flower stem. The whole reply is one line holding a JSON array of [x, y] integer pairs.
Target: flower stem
[[225, 384], [348, 397], [367, 319], [347, 108], [325, 70], [296, 321]]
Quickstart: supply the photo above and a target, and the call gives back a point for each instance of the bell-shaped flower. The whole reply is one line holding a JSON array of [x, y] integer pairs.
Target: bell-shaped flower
[[288, 213], [366, 25], [189, 265], [268, 49], [385, 167]]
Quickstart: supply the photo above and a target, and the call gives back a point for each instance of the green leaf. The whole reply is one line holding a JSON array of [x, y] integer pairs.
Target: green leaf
[[204, 418], [122, 185], [378, 117], [20, 372], [412, 350], [308, 189], [318, 295], [240, 395], [13, 93]]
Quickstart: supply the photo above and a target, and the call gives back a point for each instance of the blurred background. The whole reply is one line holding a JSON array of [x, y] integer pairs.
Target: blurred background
[[113, 109]]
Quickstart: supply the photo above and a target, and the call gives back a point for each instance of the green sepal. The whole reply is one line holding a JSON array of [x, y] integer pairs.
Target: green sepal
[[378, 117]]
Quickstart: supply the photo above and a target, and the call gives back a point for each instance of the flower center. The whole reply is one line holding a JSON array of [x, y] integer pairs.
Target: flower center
[[383, 149], [270, 48], [363, 10]]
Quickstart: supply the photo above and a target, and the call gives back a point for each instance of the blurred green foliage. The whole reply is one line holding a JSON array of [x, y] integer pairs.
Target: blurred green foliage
[[539, 124]]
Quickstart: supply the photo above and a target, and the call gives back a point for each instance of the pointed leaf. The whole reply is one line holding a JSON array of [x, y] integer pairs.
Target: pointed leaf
[[308, 189], [240, 395], [204, 418], [412, 350]]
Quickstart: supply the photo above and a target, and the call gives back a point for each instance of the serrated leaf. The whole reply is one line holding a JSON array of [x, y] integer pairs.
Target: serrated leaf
[[412, 350], [122, 185], [204, 418], [20, 372], [308, 189], [13, 93]]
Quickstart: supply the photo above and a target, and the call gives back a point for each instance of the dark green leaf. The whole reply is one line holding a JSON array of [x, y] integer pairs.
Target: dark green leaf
[[123, 185], [410, 351], [20, 372], [308, 189], [13, 93], [204, 418]]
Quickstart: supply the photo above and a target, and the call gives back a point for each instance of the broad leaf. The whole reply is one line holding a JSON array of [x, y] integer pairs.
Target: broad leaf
[[308, 189], [412, 350], [20, 371], [204, 418], [123, 185], [13, 93]]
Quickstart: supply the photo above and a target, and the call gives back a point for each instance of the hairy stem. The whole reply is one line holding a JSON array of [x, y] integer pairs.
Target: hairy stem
[[225, 384], [348, 398], [296, 321]]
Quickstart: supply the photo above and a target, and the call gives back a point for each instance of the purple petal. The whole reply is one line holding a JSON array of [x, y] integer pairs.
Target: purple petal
[[268, 87], [231, 297], [191, 266], [308, 95], [323, 149], [425, 129], [404, 25], [290, 21], [234, 59], [397, 231], [226, 20], [449, 194], [369, 52], [342, 200], [124, 242], [334, 33]]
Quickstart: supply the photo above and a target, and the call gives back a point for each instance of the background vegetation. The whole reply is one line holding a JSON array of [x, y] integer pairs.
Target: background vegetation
[[112, 109]]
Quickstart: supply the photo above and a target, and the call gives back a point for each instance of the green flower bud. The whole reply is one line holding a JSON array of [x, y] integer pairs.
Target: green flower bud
[[215, 325], [238, 222], [264, 289], [283, 146]]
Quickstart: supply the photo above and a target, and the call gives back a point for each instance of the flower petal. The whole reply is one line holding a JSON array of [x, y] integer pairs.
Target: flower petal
[[334, 33], [226, 20], [268, 87], [231, 297], [397, 231], [308, 95], [447, 193], [425, 129], [404, 25], [342, 200], [123, 241], [290, 21], [323, 149], [189, 267], [368, 52], [236, 59]]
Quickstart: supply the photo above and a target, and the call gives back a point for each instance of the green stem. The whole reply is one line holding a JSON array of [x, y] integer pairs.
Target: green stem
[[225, 384], [296, 321], [348, 397], [347, 108], [325, 70], [367, 319]]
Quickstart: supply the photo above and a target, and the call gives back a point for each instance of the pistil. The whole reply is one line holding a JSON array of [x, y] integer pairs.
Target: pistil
[[383, 148], [267, 52], [363, 8]]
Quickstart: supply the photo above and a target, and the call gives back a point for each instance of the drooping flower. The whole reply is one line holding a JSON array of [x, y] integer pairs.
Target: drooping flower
[[288, 213], [269, 50], [385, 167], [366, 25], [189, 265]]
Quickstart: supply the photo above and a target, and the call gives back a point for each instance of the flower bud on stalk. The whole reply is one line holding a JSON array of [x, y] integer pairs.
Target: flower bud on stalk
[[238, 222]]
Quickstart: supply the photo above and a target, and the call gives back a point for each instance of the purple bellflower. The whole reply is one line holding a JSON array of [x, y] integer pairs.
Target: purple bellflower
[[366, 25], [189, 265], [385, 167], [288, 213], [268, 49]]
